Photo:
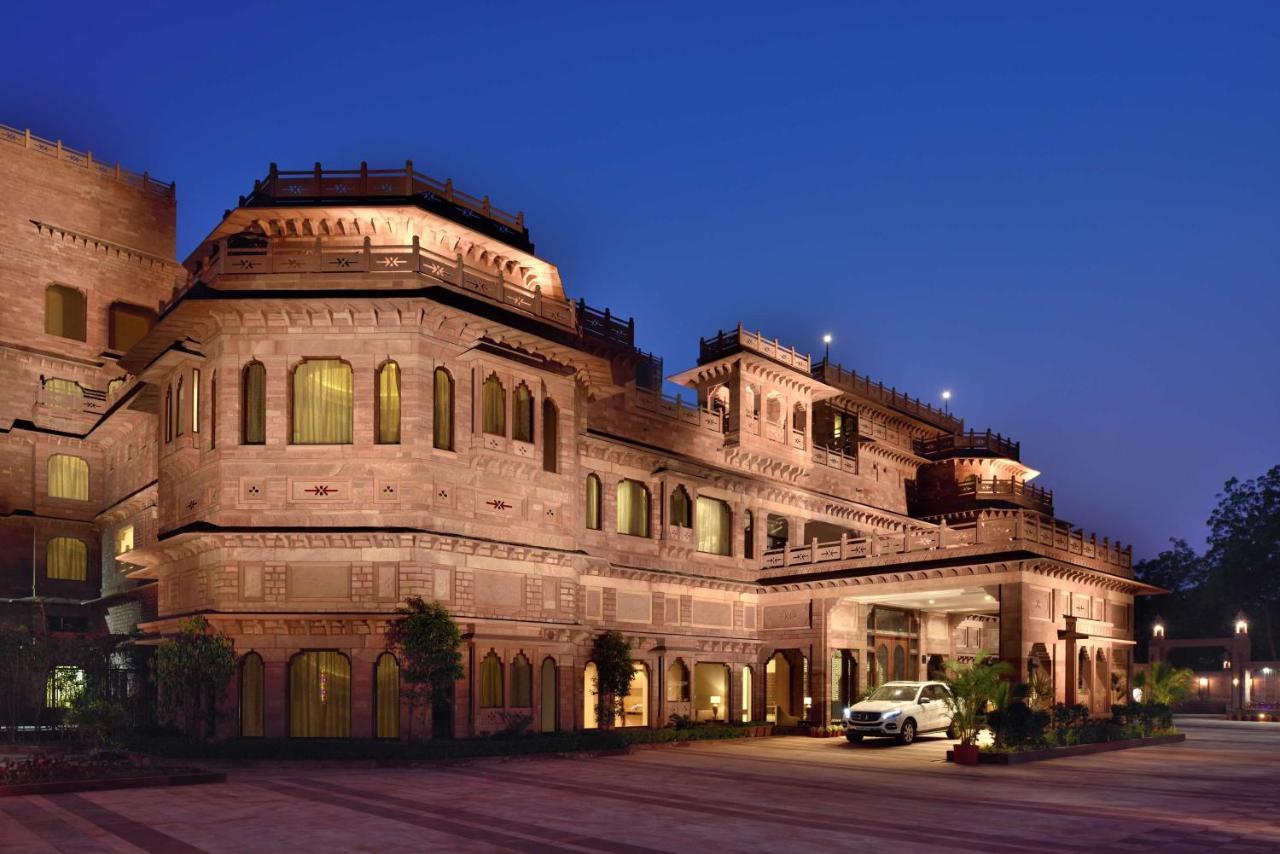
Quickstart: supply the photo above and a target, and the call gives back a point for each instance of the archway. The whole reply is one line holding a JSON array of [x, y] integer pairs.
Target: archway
[[636, 705], [549, 696], [711, 691], [589, 690]]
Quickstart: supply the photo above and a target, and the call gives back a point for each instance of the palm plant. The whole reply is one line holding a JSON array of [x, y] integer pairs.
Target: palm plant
[[1165, 684], [974, 685]]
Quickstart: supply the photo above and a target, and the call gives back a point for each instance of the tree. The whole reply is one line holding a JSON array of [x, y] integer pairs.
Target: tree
[[191, 671], [612, 657], [974, 685], [24, 666], [427, 643], [1244, 554], [1177, 569], [1163, 683]]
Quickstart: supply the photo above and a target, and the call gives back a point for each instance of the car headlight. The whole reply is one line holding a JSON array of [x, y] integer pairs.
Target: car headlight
[[892, 713], [846, 713]]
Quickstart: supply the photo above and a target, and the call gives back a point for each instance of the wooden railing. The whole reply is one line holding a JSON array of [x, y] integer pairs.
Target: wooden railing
[[726, 343], [317, 256], [996, 487], [606, 326], [56, 150], [835, 375], [320, 183], [971, 442], [997, 528]]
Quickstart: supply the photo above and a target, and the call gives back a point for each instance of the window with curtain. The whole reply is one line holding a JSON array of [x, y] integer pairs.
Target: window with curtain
[[127, 324], [178, 409], [491, 681], [633, 508], [550, 436], [749, 536], [322, 397], [680, 510], [66, 559], [715, 526], [195, 400], [124, 539], [677, 682], [389, 404], [251, 692], [521, 683], [387, 700], [522, 414], [64, 312], [68, 477], [494, 405], [253, 404], [442, 410], [66, 388], [593, 498], [320, 695]]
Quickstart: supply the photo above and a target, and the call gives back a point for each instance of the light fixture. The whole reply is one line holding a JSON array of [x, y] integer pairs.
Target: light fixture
[[1235, 681], [1242, 625], [715, 707], [1137, 695], [1204, 681], [930, 601], [1266, 671], [1157, 628], [946, 400], [826, 345]]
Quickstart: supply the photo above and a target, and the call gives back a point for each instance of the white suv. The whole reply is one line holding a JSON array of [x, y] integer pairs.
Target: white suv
[[900, 710]]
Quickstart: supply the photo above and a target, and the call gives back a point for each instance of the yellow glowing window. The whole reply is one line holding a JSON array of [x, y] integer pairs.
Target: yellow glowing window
[[387, 699], [320, 695], [253, 404], [491, 682], [389, 404], [251, 692], [66, 559], [522, 414], [593, 502], [633, 508], [322, 398], [494, 406], [64, 312], [127, 325], [442, 410], [124, 539], [714, 526], [68, 477]]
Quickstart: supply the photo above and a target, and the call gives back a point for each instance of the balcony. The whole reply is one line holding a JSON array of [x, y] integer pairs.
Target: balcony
[[835, 375], [611, 329], [993, 531], [1007, 490], [969, 444], [63, 397], [726, 343], [835, 459]]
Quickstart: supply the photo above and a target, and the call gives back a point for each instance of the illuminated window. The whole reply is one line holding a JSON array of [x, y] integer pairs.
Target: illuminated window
[[714, 526], [442, 410], [195, 400], [521, 683], [494, 406], [633, 508], [66, 559], [127, 325], [388, 412], [593, 497], [322, 399], [68, 477], [124, 539], [677, 682], [387, 698], [251, 695], [253, 404], [681, 510], [491, 682], [320, 695], [64, 312], [522, 414]]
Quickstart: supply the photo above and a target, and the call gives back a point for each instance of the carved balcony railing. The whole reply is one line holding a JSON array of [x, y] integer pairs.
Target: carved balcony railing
[[726, 343], [968, 444], [834, 374], [55, 149], [608, 327], [1016, 491], [991, 531], [67, 397], [678, 409], [836, 459]]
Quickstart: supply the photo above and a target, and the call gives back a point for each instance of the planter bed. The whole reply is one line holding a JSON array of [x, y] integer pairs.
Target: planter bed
[[987, 758], [139, 781]]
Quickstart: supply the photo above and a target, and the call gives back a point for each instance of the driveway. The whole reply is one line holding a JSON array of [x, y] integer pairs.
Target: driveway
[[1218, 791]]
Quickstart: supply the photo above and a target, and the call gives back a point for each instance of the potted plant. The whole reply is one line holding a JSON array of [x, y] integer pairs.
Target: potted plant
[[973, 685]]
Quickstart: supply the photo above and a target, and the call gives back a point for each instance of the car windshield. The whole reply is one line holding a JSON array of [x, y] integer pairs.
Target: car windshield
[[897, 693]]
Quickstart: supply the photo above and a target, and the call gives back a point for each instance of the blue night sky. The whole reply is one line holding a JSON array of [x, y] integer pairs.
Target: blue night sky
[[1068, 218]]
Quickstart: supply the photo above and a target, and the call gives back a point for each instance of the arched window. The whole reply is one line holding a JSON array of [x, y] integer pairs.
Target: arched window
[[253, 404], [320, 695], [677, 682], [64, 312], [635, 706], [633, 508], [388, 412], [773, 409], [746, 694], [168, 414], [179, 408], [715, 526], [592, 502], [521, 683], [322, 399], [494, 407], [590, 690], [114, 386], [442, 410], [66, 559], [68, 477], [681, 513], [749, 536], [522, 414], [127, 325], [798, 418], [548, 695], [776, 531], [386, 699], [491, 681], [550, 436], [251, 694], [751, 401], [718, 400]]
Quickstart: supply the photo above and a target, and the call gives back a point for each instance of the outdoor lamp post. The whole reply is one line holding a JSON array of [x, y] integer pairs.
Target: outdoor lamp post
[[715, 707], [946, 401], [1242, 625], [1157, 628], [826, 343]]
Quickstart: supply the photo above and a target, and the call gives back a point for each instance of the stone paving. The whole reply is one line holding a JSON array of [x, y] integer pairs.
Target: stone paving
[[1219, 791]]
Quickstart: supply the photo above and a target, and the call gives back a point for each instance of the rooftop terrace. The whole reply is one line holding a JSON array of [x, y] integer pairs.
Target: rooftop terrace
[[54, 149], [836, 375]]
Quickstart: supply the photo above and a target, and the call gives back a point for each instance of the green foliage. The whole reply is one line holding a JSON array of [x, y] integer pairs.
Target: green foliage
[[427, 642], [612, 656], [1017, 726], [191, 671], [973, 687], [100, 722], [1163, 683], [1039, 690]]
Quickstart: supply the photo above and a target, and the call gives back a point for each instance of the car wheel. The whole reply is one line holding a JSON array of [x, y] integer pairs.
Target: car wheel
[[854, 737], [907, 734], [951, 731]]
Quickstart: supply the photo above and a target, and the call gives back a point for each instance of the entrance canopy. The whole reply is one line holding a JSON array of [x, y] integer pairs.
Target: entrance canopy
[[954, 600]]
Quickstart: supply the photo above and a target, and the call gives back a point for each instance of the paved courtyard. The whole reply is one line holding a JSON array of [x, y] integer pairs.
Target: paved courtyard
[[1219, 791]]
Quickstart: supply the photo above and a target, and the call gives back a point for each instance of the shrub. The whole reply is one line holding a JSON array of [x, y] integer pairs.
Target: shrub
[[191, 671], [98, 721], [1018, 726]]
